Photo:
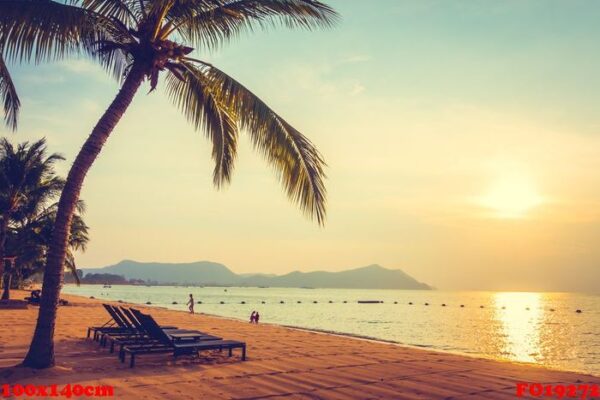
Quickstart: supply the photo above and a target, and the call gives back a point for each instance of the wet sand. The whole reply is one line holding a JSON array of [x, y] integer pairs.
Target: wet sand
[[282, 363]]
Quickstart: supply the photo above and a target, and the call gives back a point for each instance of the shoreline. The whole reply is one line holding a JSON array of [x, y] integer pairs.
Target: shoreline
[[283, 363], [360, 337]]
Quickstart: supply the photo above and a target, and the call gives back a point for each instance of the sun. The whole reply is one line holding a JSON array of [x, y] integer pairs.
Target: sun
[[511, 196]]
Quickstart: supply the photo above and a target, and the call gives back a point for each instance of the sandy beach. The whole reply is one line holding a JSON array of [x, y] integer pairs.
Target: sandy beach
[[282, 363]]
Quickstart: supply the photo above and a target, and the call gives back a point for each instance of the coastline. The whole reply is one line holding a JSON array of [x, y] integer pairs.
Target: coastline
[[432, 348], [282, 362]]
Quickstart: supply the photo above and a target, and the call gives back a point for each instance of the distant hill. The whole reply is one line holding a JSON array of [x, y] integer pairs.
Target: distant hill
[[210, 273], [201, 272], [371, 277]]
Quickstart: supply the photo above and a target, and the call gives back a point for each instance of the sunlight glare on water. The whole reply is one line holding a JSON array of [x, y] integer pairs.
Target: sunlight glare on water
[[521, 318]]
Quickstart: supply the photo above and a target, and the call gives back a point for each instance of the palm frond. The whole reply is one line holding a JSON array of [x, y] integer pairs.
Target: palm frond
[[213, 24], [42, 30], [114, 57], [295, 158], [71, 266], [8, 95], [46, 189], [122, 10], [191, 93], [156, 14], [80, 206], [79, 234]]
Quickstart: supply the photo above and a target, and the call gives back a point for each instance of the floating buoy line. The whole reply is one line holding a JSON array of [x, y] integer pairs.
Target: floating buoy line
[[410, 303]]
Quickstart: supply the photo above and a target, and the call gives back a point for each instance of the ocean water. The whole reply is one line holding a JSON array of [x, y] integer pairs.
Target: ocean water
[[540, 328]]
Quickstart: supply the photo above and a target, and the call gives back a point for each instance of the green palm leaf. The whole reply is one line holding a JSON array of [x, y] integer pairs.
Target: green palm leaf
[[72, 267], [211, 25], [125, 11], [198, 103], [295, 158], [9, 97], [42, 29]]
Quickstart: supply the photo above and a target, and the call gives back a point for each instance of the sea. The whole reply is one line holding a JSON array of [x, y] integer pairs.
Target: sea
[[556, 330]]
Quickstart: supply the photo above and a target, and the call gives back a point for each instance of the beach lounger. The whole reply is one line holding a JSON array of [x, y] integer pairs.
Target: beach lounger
[[123, 327], [112, 325], [164, 344], [130, 327], [143, 337]]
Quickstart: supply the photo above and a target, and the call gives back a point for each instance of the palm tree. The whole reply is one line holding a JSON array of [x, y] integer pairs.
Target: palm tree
[[27, 180], [139, 40], [29, 238]]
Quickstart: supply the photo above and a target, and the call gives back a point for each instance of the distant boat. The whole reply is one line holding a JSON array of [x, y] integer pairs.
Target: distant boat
[[263, 287], [106, 286], [370, 301], [306, 287]]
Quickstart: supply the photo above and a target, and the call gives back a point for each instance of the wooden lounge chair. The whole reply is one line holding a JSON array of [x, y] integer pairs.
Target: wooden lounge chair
[[142, 337], [164, 344], [115, 324], [129, 327]]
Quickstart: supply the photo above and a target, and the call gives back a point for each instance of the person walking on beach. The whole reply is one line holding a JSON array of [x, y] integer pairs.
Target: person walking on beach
[[191, 304], [256, 317], [252, 317]]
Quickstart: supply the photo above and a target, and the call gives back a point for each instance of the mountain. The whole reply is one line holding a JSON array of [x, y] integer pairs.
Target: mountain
[[210, 273], [201, 272], [371, 277]]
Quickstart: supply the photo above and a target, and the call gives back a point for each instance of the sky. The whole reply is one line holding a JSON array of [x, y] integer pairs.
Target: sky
[[461, 137]]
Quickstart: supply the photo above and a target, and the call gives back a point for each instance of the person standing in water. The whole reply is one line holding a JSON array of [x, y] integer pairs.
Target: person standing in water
[[191, 304]]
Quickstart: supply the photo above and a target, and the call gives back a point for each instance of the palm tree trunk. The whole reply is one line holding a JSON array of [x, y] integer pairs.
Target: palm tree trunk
[[41, 350], [3, 229], [6, 283]]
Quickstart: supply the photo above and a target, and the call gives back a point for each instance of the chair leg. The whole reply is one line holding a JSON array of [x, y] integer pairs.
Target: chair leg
[[230, 351], [132, 362], [244, 353]]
